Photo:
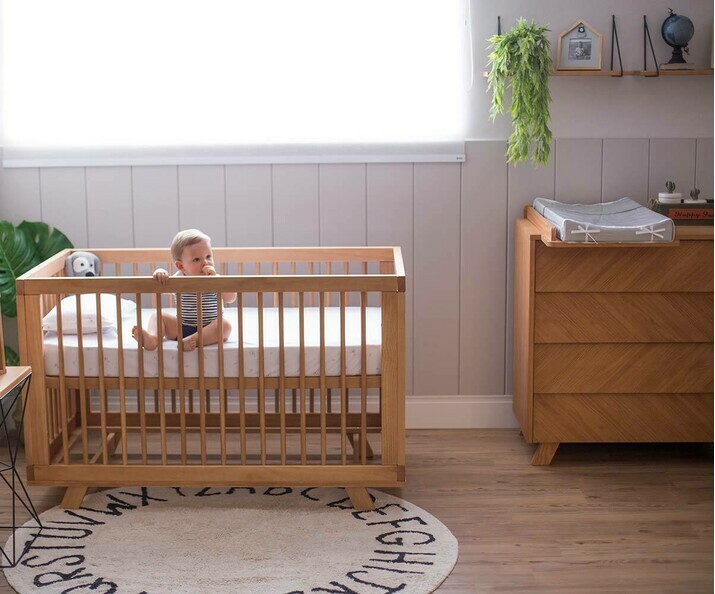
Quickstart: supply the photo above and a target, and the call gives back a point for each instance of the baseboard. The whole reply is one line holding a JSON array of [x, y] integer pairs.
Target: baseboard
[[460, 412]]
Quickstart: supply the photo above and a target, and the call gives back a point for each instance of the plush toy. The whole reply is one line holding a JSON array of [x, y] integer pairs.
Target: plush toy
[[83, 264]]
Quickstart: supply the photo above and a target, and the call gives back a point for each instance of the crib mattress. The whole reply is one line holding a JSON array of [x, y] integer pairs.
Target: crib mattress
[[250, 342], [619, 221]]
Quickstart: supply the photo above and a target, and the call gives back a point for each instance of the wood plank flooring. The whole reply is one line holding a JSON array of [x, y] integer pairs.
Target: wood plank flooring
[[606, 518]]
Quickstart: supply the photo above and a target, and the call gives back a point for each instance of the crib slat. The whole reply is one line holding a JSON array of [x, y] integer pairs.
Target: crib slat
[[241, 375], [363, 376], [182, 392], [161, 393], [102, 391], [261, 379], [82, 386], [281, 377], [293, 268], [275, 273], [221, 387], [323, 436], [329, 270], [202, 378], [343, 389], [52, 401], [122, 387], [63, 389], [301, 330], [141, 403], [156, 297], [311, 271]]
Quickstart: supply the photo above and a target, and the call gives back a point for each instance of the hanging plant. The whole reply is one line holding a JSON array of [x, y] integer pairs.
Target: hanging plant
[[521, 60]]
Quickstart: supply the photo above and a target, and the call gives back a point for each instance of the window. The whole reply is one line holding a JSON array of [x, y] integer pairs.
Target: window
[[98, 74]]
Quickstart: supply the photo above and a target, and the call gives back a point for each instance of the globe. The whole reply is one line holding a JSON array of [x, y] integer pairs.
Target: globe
[[677, 30]]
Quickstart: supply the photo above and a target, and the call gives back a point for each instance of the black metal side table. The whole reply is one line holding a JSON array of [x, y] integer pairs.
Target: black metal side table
[[12, 384]]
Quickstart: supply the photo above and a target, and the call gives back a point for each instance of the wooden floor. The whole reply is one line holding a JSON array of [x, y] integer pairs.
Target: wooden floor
[[601, 518]]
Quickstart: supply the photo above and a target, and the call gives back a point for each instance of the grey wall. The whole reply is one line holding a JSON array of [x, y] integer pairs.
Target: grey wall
[[454, 223], [604, 107]]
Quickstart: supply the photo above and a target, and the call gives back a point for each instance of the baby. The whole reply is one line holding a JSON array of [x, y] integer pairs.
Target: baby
[[191, 251]]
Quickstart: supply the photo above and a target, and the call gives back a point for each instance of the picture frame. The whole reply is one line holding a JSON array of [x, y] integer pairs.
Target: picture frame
[[580, 48]]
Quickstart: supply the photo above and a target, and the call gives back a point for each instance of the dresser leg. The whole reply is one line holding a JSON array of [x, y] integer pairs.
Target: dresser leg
[[544, 454]]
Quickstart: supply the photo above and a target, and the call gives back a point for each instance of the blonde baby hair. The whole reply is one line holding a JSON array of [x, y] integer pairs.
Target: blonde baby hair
[[185, 238]]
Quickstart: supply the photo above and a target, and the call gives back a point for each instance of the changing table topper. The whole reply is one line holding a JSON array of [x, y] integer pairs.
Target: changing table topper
[[620, 221]]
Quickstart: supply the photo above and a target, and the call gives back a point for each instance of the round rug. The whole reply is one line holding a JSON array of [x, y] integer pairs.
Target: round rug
[[276, 540]]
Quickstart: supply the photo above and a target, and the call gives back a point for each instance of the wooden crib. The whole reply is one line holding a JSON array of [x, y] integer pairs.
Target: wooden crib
[[312, 428]]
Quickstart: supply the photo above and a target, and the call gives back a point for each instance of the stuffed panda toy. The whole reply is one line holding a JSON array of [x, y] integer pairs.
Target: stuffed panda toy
[[82, 264]]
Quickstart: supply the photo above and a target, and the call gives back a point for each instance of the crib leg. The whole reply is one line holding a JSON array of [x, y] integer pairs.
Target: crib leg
[[360, 498], [73, 497], [354, 439]]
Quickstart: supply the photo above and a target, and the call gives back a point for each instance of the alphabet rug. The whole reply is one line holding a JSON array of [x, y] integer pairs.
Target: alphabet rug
[[278, 540]]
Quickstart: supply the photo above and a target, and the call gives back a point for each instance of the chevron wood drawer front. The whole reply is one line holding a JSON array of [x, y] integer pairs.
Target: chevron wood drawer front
[[684, 268], [623, 417], [623, 368], [623, 317]]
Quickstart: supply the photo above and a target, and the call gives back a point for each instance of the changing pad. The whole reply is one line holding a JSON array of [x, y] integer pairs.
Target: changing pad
[[619, 221]]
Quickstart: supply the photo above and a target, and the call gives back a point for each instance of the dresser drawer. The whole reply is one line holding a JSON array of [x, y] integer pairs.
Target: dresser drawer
[[622, 417], [623, 368], [623, 317], [686, 268]]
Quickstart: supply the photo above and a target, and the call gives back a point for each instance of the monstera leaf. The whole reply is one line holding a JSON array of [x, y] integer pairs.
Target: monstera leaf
[[22, 248], [11, 357], [47, 241]]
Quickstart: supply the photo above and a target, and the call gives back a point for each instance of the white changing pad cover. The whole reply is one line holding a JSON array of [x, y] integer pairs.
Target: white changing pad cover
[[353, 351], [620, 221]]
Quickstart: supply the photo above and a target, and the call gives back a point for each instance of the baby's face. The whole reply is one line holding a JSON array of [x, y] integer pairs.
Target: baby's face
[[195, 258]]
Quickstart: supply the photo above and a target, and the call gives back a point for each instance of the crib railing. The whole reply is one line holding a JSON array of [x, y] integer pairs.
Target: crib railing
[[220, 429]]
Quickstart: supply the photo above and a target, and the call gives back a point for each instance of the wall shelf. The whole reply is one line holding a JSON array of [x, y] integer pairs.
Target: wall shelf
[[653, 73], [617, 73]]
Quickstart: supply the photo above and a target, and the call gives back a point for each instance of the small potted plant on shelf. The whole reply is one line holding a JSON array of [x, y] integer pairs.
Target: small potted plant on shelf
[[671, 196], [521, 60]]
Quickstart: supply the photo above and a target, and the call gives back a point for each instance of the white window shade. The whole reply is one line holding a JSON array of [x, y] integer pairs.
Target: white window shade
[[105, 77]]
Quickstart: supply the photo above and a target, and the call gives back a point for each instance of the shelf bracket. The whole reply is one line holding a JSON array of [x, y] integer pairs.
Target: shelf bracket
[[646, 34], [615, 44]]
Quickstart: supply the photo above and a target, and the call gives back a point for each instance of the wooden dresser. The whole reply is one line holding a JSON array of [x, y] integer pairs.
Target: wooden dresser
[[612, 342]]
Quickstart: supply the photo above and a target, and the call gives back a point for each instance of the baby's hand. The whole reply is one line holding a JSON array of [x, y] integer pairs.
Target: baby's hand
[[209, 270], [161, 275]]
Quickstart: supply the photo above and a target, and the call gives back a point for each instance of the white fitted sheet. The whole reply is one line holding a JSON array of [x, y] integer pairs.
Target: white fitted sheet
[[250, 343]]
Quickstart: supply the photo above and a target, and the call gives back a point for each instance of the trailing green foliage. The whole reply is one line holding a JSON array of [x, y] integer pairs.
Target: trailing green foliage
[[521, 60], [22, 248]]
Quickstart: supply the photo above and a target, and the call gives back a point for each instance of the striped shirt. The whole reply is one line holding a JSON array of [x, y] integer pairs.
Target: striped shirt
[[190, 309]]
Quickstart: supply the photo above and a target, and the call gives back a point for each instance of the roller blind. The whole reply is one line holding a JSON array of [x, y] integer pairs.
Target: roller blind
[[127, 77]]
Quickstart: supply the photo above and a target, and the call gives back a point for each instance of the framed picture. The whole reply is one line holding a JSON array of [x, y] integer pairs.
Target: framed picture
[[579, 48]]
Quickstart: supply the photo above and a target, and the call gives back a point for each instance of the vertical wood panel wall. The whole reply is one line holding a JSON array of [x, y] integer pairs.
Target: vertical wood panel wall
[[454, 223]]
